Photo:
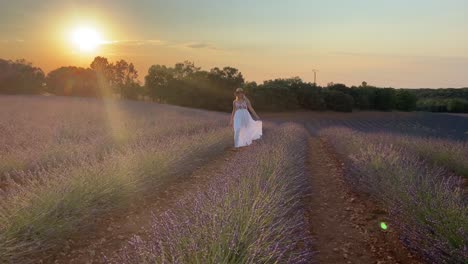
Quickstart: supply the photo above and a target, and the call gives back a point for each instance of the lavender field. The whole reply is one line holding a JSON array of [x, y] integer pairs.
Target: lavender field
[[251, 213], [419, 180], [65, 162]]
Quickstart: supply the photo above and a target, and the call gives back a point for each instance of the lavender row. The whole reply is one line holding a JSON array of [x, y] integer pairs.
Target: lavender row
[[40, 215], [252, 212], [47, 133], [447, 153], [426, 201]]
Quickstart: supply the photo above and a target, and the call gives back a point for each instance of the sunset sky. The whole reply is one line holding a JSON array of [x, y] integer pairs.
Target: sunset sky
[[397, 43]]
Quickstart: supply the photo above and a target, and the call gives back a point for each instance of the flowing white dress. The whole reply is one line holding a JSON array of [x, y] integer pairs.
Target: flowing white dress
[[245, 128]]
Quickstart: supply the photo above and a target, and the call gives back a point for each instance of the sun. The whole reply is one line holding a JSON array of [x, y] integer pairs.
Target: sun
[[86, 39]]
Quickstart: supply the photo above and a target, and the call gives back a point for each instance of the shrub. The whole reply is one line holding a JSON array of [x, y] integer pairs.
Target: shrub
[[405, 100], [385, 99], [339, 101], [457, 105]]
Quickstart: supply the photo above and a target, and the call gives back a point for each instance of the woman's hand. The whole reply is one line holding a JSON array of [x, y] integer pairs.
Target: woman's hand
[[230, 123]]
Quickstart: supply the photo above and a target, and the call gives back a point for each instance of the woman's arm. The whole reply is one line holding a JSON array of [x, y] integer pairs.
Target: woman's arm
[[249, 105], [232, 114]]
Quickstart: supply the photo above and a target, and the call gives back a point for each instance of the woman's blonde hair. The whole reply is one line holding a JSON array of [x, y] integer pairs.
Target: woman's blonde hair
[[240, 90]]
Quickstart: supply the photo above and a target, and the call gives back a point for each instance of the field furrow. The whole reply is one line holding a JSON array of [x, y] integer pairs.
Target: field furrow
[[40, 212], [252, 212], [426, 202]]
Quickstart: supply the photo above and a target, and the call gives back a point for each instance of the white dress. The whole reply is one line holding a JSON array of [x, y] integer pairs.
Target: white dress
[[245, 128]]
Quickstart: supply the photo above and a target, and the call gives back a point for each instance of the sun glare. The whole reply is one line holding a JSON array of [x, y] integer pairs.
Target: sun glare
[[86, 39]]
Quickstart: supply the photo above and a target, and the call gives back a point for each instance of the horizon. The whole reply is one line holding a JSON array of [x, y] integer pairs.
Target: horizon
[[422, 44]]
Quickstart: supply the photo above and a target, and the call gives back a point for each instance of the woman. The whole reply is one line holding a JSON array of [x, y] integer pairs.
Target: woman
[[245, 128]]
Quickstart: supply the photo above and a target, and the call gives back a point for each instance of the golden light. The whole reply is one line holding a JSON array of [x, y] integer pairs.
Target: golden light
[[86, 39]]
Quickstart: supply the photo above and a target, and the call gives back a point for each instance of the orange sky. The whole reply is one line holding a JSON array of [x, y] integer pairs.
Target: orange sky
[[390, 43]]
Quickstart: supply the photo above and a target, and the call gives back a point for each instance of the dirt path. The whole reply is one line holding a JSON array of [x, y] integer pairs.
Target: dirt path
[[346, 226], [111, 233]]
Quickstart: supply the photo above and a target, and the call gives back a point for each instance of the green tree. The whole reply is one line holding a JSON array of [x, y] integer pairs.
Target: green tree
[[405, 100], [105, 75], [339, 87], [228, 78], [431, 105], [73, 81], [339, 101], [385, 99], [157, 83], [20, 77], [457, 105], [187, 85], [132, 90], [184, 70], [103, 68], [311, 98], [279, 94], [125, 80], [364, 97]]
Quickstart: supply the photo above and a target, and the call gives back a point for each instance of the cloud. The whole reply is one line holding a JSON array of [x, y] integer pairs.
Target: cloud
[[157, 42], [199, 45], [11, 41], [145, 42]]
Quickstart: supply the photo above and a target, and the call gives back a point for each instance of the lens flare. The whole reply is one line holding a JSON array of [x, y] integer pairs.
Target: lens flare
[[383, 225]]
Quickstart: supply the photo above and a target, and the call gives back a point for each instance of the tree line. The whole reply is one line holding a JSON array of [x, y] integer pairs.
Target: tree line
[[101, 79], [186, 84]]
